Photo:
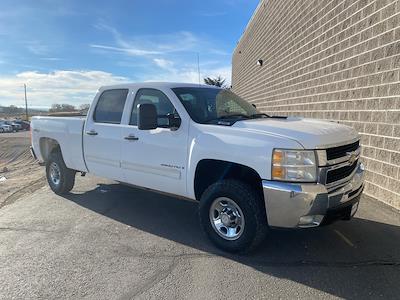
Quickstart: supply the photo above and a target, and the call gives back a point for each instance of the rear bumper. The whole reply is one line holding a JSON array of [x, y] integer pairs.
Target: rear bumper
[[300, 205]]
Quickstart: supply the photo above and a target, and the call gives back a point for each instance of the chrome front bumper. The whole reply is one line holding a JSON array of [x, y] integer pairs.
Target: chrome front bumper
[[293, 205]]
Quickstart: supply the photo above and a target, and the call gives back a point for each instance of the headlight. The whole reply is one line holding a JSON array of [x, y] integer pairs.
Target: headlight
[[294, 165]]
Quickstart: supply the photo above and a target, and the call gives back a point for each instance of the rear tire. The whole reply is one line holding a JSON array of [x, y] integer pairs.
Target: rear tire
[[233, 216], [61, 179]]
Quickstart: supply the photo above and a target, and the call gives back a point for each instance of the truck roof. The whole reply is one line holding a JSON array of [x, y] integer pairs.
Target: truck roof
[[154, 85]]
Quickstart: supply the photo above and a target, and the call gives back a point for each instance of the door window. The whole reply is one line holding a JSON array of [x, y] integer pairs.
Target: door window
[[159, 99], [110, 106]]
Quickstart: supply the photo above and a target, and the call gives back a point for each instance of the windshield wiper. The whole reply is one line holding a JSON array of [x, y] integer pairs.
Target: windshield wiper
[[260, 115], [225, 117]]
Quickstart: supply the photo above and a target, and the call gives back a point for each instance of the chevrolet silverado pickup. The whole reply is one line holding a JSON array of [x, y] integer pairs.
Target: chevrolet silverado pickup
[[249, 171]]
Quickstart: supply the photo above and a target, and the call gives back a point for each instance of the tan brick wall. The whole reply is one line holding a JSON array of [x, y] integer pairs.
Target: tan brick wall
[[335, 60]]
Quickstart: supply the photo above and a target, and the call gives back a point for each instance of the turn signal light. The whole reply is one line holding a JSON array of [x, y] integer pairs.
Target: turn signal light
[[278, 172]]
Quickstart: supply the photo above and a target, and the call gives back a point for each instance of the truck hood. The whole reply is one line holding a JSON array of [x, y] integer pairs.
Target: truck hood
[[310, 133]]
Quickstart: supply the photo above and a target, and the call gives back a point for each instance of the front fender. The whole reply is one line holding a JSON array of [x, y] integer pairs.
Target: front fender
[[253, 150]]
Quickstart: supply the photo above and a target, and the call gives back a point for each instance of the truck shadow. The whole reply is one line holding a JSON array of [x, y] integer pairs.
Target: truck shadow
[[357, 259]]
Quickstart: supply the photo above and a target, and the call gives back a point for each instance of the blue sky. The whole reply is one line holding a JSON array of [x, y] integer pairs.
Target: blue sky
[[64, 50]]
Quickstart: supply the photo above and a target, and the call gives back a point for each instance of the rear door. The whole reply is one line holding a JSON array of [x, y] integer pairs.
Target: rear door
[[102, 136], [156, 158]]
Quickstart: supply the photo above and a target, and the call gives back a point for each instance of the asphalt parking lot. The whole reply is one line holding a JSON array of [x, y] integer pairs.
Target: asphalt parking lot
[[108, 241]]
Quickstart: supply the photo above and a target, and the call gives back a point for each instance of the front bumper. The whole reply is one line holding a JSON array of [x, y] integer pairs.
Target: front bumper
[[293, 205]]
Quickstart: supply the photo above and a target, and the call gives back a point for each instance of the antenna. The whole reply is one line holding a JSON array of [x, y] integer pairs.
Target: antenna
[[198, 66]]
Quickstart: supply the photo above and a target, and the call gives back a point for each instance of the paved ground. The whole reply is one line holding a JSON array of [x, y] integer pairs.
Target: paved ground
[[107, 241]]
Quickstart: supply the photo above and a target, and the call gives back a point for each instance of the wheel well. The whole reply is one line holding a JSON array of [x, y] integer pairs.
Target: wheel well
[[209, 171], [48, 145]]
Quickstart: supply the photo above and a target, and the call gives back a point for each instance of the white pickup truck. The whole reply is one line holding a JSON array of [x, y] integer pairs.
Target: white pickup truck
[[249, 171]]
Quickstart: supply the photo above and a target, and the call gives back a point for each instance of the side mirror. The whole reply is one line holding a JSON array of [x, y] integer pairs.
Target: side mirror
[[147, 116], [174, 122]]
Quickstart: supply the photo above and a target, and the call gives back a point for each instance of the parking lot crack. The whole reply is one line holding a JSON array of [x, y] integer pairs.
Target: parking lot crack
[[350, 264], [152, 281]]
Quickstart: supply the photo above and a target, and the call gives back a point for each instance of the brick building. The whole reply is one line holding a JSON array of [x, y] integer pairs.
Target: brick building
[[335, 60]]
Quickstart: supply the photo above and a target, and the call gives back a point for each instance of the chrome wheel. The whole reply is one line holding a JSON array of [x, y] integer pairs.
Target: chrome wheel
[[55, 173], [227, 218]]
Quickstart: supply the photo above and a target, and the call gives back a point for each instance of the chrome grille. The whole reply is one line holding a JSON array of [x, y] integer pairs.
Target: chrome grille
[[340, 173], [337, 152], [338, 164]]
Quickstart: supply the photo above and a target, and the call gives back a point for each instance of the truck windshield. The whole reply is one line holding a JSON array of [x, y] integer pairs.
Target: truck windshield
[[211, 105]]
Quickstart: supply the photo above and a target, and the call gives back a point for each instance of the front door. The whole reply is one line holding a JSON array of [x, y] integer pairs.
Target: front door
[[156, 158], [102, 136]]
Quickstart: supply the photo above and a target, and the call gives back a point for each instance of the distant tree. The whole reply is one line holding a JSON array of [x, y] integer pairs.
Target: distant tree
[[84, 108], [12, 109], [217, 81], [62, 108]]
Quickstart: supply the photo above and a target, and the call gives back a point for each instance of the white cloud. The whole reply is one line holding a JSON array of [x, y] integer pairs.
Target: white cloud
[[148, 45], [163, 63], [189, 74], [78, 87], [51, 58], [37, 48], [128, 50], [175, 54], [44, 89]]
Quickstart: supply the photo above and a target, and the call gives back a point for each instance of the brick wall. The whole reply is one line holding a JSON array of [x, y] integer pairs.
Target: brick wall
[[335, 60]]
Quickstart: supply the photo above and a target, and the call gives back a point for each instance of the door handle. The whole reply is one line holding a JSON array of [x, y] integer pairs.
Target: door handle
[[91, 132], [131, 138]]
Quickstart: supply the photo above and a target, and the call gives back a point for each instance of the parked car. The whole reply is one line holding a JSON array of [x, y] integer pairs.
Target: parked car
[[15, 126], [249, 171], [24, 124], [4, 127]]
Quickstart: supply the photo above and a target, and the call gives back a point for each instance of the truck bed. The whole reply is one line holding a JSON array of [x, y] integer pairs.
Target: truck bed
[[67, 131]]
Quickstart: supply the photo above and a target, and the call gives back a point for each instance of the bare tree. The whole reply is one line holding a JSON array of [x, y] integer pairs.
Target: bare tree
[[84, 108], [217, 81], [62, 108]]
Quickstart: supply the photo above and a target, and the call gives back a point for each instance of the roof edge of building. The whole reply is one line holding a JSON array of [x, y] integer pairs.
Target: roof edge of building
[[248, 23]]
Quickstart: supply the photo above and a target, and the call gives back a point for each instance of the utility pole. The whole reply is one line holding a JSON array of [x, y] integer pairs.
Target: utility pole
[[26, 105]]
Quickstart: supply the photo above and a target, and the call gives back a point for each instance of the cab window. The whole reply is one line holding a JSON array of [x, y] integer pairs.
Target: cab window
[[159, 99], [110, 106]]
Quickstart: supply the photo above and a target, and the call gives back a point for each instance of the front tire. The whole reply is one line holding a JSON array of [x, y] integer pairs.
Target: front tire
[[61, 179], [233, 216]]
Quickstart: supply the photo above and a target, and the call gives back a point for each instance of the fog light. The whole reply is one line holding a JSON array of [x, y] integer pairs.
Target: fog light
[[310, 221]]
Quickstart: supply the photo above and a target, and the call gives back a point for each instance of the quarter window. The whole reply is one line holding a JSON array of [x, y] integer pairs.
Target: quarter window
[[110, 106], [159, 99]]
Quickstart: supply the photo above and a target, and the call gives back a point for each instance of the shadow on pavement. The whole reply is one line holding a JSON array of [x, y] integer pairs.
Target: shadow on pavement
[[356, 259]]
